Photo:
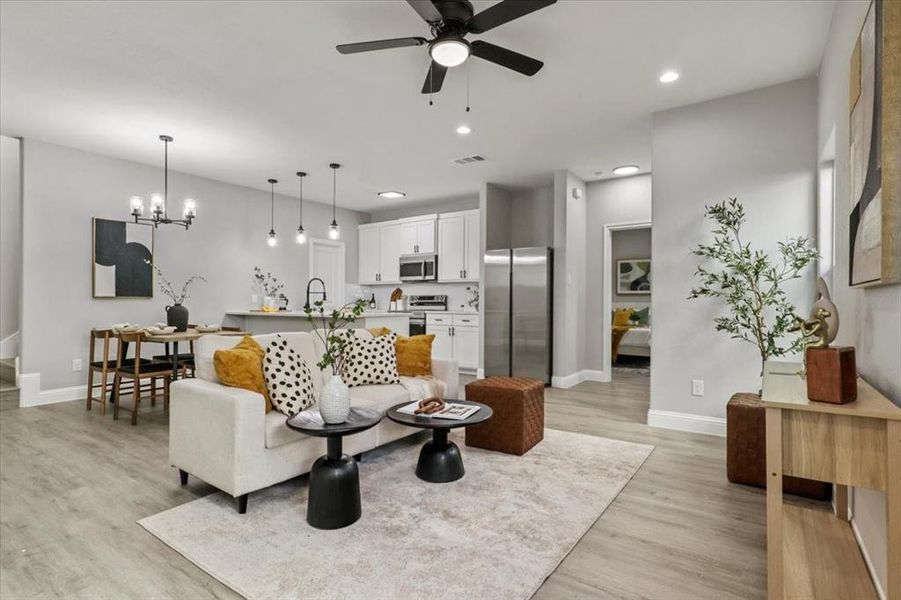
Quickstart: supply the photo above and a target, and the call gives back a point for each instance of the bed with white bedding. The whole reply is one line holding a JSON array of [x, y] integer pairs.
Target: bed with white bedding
[[636, 341]]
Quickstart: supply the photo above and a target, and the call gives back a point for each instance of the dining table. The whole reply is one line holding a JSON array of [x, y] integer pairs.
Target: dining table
[[189, 335]]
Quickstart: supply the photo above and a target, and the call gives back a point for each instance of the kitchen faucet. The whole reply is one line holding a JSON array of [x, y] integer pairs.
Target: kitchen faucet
[[309, 283]]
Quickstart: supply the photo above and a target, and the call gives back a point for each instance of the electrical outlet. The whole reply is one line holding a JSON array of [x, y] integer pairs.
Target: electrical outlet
[[697, 387], [76, 364]]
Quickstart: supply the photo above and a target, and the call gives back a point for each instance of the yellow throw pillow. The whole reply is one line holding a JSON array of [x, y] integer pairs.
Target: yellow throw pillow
[[414, 355], [621, 316], [379, 331], [242, 367]]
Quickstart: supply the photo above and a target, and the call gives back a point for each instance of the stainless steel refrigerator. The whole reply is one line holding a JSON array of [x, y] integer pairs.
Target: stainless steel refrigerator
[[519, 294]]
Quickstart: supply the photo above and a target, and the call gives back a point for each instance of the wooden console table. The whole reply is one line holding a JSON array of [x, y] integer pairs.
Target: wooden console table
[[811, 553]]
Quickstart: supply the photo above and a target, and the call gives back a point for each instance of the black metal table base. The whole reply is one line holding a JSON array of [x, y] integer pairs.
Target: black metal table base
[[440, 460], [334, 499]]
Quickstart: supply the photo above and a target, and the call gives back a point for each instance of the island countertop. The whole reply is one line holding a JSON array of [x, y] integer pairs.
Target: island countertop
[[259, 322], [300, 314]]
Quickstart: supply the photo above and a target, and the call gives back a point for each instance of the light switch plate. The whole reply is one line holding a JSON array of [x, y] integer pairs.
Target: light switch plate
[[697, 387], [76, 365]]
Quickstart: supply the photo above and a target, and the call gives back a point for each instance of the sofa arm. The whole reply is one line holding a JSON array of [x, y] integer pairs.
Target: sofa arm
[[215, 431], [449, 372]]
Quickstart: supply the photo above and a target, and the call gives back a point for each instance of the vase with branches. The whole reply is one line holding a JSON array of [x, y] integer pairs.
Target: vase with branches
[[750, 283], [331, 327], [269, 286], [176, 313]]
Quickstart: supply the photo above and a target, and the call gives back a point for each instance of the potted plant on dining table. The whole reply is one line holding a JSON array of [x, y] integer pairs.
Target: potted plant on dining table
[[176, 313], [331, 327]]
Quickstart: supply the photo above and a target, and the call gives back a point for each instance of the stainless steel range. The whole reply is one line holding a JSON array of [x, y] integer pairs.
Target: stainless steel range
[[419, 306]]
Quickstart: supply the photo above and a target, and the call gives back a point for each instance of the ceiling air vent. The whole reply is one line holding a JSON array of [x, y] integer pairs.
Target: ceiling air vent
[[469, 159]]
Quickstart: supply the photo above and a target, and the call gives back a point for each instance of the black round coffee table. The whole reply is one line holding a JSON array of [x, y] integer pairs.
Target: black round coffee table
[[439, 460], [334, 499]]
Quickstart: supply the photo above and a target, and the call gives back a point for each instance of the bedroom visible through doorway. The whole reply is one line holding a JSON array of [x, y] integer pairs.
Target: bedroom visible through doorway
[[630, 289]]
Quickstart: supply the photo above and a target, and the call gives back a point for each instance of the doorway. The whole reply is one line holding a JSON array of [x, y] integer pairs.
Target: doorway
[[328, 264], [627, 289]]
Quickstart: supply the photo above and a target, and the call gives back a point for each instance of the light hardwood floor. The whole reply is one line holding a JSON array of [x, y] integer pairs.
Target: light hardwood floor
[[73, 484]]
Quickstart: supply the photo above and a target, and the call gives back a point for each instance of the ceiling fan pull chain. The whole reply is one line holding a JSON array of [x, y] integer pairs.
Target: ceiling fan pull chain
[[431, 84], [467, 85]]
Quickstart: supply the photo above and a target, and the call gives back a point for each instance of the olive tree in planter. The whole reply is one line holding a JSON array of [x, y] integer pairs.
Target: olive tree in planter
[[749, 282]]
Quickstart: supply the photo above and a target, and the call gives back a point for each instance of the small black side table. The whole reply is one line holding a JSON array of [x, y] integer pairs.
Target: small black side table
[[334, 499], [439, 460]]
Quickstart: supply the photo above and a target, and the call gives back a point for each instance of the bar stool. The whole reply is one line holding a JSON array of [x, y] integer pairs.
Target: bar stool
[[137, 370]]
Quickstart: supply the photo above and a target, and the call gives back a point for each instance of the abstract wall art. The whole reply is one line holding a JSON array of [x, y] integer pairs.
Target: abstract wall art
[[633, 276], [875, 148], [119, 267]]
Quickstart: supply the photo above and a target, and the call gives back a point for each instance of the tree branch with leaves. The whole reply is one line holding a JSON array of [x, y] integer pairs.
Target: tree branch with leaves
[[750, 282], [332, 331]]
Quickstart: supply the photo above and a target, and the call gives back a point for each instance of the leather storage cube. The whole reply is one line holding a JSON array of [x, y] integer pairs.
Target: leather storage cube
[[746, 450], [518, 421]]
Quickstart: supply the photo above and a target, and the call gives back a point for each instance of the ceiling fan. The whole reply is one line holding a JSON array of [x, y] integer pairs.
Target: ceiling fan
[[450, 22]]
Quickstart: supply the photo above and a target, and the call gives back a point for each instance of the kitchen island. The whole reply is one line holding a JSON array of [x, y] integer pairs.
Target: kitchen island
[[258, 322]]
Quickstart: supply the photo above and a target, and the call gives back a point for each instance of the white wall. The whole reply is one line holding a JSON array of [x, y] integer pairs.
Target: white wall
[[10, 241], [64, 188], [610, 201], [442, 205], [870, 318], [761, 147], [628, 244]]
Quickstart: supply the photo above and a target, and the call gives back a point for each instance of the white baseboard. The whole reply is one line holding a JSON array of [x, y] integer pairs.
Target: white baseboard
[[687, 422], [568, 381], [866, 559], [9, 346], [480, 373], [30, 393]]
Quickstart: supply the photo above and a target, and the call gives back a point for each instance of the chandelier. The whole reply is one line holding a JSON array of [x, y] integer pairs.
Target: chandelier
[[158, 202]]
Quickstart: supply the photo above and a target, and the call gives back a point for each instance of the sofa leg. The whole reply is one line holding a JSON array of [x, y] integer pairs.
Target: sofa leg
[[183, 477], [242, 503], [358, 457]]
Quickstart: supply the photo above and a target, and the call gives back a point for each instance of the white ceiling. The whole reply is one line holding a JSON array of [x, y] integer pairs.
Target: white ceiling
[[252, 90]]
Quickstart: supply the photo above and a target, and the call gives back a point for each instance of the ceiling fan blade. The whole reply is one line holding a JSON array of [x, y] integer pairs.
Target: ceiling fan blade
[[379, 45], [426, 10], [506, 58], [434, 79], [504, 12]]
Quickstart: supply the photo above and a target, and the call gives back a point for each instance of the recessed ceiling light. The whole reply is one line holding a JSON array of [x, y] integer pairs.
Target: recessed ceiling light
[[669, 76], [392, 194], [464, 129], [625, 170]]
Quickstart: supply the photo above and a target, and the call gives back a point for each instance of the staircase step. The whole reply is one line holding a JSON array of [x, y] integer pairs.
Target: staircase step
[[8, 370]]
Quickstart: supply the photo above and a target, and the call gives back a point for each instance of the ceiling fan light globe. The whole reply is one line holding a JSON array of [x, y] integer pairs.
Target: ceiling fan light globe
[[450, 52]]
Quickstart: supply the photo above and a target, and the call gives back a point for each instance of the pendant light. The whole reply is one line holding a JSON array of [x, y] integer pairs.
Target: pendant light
[[158, 202], [273, 239], [301, 237], [333, 232]]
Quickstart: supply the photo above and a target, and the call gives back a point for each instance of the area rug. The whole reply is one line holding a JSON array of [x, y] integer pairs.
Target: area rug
[[496, 533]]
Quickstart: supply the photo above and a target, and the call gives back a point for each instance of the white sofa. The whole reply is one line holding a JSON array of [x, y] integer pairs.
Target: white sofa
[[223, 436]]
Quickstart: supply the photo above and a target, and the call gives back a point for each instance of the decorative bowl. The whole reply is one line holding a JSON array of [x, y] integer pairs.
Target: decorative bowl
[[207, 328], [161, 330], [127, 328]]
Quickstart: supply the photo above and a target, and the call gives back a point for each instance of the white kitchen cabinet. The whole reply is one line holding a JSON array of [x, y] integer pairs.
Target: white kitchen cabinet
[[379, 250], [466, 346], [459, 246], [443, 344], [418, 235], [368, 262], [389, 252], [451, 247]]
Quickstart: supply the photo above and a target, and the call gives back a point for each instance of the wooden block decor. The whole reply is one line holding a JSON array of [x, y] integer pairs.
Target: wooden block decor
[[831, 375]]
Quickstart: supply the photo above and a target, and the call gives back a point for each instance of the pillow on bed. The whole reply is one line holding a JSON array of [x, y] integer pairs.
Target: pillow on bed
[[643, 316], [621, 317]]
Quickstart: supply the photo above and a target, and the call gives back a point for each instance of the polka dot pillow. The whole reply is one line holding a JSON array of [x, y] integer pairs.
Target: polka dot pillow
[[371, 361], [288, 379]]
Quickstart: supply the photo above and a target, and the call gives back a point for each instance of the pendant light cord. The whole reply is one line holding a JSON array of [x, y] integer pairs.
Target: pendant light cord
[[301, 201], [165, 179], [334, 192], [271, 206]]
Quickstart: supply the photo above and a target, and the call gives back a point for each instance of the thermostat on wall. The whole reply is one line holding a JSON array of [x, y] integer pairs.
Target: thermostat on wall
[[577, 193]]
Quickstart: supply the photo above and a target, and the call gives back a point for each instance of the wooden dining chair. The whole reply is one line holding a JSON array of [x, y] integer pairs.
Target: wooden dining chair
[[105, 365], [136, 371]]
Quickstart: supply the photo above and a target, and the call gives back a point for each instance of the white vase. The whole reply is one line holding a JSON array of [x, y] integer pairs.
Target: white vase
[[268, 302], [334, 400]]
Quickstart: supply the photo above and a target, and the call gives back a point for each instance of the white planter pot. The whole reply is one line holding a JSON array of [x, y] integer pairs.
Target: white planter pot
[[268, 302], [334, 400]]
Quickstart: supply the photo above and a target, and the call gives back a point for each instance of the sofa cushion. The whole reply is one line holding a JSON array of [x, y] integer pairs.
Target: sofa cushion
[[372, 361], [288, 378], [242, 367], [414, 354], [379, 397]]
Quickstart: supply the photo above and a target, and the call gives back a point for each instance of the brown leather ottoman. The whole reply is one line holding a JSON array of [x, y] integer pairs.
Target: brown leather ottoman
[[746, 450], [518, 421]]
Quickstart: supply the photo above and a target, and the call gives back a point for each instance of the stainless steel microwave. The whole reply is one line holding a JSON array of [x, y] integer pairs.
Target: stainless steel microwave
[[419, 267]]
